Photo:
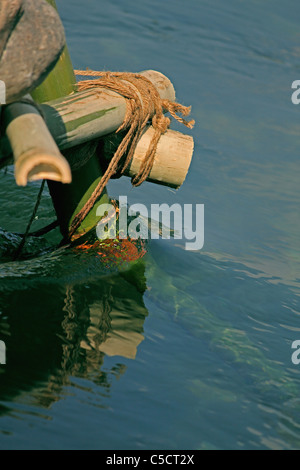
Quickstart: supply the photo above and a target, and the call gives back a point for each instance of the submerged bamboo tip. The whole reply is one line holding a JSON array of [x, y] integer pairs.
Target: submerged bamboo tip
[[35, 165]]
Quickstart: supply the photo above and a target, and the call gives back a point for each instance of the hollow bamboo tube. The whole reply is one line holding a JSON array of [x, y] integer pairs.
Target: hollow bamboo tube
[[36, 155]]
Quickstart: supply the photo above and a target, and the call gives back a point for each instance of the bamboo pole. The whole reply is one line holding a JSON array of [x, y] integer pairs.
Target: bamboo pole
[[94, 113], [86, 116], [83, 117], [57, 84], [97, 112], [172, 160], [172, 157], [69, 199], [36, 155]]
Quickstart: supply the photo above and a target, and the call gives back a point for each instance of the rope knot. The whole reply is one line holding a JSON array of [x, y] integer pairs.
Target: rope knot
[[161, 123]]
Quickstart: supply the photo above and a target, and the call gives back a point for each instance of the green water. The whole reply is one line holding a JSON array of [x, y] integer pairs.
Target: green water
[[184, 350]]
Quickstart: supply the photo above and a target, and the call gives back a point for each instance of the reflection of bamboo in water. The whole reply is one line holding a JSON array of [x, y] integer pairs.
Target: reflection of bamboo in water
[[104, 324], [76, 325], [81, 339], [69, 325], [95, 325]]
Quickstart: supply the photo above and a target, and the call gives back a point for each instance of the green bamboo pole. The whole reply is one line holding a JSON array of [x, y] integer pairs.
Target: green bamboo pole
[[61, 81], [69, 199]]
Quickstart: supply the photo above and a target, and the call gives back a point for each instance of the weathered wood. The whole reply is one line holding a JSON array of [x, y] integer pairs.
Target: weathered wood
[[94, 113], [31, 41], [36, 155]]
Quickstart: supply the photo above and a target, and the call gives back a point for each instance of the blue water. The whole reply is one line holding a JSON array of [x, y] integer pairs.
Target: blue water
[[190, 350]]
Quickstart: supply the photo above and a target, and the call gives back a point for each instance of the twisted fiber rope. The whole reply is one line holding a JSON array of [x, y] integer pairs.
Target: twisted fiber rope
[[143, 101]]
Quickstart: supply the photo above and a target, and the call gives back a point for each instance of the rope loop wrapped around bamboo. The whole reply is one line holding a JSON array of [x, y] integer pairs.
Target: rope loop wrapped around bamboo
[[143, 101]]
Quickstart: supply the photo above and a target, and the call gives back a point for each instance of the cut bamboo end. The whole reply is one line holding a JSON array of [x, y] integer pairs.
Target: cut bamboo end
[[36, 165], [162, 83], [36, 155], [172, 158]]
